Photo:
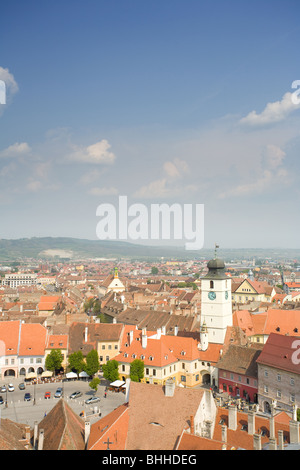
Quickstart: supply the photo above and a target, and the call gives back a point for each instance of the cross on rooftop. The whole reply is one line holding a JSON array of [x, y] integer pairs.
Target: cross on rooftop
[[216, 247], [108, 442]]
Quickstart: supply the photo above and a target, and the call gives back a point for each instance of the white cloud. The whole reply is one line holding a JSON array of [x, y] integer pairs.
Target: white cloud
[[162, 188], [10, 88], [15, 150], [273, 112], [103, 191], [270, 174], [176, 168], [33, 185], [97, 153], [90, 177], [168, 186]]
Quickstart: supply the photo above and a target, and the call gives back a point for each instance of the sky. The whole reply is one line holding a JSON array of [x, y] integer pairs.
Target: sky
[[170, 101]]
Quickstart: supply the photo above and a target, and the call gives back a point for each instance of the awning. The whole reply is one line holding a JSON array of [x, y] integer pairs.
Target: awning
[[47, 373], [71, 375], [83, 374], [117, 383], [31, 375]]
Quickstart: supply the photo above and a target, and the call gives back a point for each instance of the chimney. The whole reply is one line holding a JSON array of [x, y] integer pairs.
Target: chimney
[[224, 433], [232, 417], [127, 390], [256, 442], [163, 330], [192, 426], [144, 338], [158, 333], [27, 433], [169, 388], [87, 430], [130, 337], [85, 334], [114, 321], [294, 432], [35, 434], [251, 423], [176, 330], [41, 439]]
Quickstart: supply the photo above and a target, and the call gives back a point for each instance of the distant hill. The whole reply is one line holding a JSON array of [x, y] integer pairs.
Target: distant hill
[[73, 248]]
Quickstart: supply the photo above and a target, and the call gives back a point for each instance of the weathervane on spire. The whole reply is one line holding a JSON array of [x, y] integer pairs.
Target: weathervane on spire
[[216, 247]]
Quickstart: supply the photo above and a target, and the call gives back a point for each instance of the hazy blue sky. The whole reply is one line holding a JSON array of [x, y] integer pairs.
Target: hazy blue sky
[[162, 101]]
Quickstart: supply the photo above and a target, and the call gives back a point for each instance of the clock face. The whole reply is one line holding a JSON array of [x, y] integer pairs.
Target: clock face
[[211, 295]]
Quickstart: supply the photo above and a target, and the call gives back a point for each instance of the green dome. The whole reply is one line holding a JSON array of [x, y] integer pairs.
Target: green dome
[[216, 269]]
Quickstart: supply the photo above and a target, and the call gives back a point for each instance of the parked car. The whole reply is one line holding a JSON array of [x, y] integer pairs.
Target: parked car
[[10, 387], [22, 386], [1, 400], [47, 395], [58, 393], [27, 396], [92, 400], [75, 395], [3, 388]]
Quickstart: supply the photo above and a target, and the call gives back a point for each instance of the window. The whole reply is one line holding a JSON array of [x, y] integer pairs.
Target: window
[[147, 371], [211, 284], [278, 378], [123, 368], [266, 373], [292, 398], [154, 372], [266, 389], [292, 381], [278, 394]]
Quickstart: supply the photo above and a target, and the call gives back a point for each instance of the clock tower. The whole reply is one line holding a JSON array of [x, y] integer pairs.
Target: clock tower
[[216, 305]]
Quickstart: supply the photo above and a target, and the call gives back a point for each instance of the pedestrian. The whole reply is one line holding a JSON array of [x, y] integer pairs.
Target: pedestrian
[[105, 394]]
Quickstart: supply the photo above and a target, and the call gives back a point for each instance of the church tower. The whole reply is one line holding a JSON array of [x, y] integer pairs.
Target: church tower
[[216, 305]]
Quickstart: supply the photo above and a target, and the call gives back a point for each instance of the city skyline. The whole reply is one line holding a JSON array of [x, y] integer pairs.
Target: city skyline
[[162, 102]]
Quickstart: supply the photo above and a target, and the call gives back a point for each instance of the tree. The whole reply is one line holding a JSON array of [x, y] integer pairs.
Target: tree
[[154, 270], [111, 370], [92, 364], [94, 383], [76, 361], [54, 360], [137, 370]]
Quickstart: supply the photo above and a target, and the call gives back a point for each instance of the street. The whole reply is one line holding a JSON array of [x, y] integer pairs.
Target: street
[[27, 412]]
